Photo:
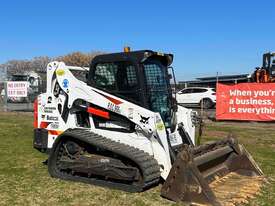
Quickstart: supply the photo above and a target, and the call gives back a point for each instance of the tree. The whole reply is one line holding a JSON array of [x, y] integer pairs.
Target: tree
[[39, 64], [18, 66], [78, 58]]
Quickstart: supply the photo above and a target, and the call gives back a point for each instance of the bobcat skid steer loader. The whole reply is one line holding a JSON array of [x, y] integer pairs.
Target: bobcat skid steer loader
[[120, 127]]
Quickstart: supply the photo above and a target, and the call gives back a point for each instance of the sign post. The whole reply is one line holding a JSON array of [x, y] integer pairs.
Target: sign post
[[5, 97]]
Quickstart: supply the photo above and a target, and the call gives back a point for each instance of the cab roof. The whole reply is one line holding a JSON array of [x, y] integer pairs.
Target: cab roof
[[134, 56]]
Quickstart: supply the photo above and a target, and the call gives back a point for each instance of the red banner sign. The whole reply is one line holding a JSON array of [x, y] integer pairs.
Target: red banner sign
[[246, 101]]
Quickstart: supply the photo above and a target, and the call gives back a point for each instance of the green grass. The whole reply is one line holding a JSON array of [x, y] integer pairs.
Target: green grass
[[259, 140], [24, 180]]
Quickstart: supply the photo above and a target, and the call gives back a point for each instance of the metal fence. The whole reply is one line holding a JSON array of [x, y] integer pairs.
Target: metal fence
[[20, 103]]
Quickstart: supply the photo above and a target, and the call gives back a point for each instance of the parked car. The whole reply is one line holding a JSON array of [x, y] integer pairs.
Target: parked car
[[197, 96]]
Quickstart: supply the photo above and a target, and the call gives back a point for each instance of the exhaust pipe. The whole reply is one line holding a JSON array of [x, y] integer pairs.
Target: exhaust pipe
[[206, 174]]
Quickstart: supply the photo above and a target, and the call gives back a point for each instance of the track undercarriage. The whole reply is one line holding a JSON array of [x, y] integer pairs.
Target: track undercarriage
[[80, 155]]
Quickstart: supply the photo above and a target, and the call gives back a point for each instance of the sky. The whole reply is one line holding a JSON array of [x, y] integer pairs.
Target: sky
[[206, 37]]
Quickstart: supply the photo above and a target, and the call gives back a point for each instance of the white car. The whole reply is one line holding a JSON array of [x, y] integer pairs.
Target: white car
[[197, 95]]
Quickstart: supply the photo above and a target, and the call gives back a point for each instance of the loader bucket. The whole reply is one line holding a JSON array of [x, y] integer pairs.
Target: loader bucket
[[220, 173]]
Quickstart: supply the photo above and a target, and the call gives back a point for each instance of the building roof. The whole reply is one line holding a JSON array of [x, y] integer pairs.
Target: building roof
[[237, 76], [223, 78]]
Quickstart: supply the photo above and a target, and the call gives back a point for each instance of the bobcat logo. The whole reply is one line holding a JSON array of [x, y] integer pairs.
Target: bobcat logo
[[144, 120]]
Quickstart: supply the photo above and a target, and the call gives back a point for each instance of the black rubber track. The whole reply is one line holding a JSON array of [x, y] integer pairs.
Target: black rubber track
[[146, 163]]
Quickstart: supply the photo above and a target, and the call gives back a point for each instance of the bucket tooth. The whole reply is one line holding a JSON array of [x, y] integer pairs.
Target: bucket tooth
[[208, 174]]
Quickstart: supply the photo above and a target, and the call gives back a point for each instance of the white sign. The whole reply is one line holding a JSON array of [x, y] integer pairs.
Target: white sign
[[17, 89]]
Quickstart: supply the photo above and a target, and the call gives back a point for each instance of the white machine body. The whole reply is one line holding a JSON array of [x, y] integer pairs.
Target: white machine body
[[150, 134]]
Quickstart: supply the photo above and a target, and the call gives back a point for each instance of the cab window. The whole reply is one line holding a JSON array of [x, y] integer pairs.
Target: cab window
[[105, 75], [119, 78]]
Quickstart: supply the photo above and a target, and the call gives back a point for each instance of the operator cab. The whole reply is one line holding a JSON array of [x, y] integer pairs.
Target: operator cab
[[140, 77]]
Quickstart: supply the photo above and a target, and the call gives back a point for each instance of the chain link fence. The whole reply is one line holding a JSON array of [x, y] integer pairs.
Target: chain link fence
[[20, 103]]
